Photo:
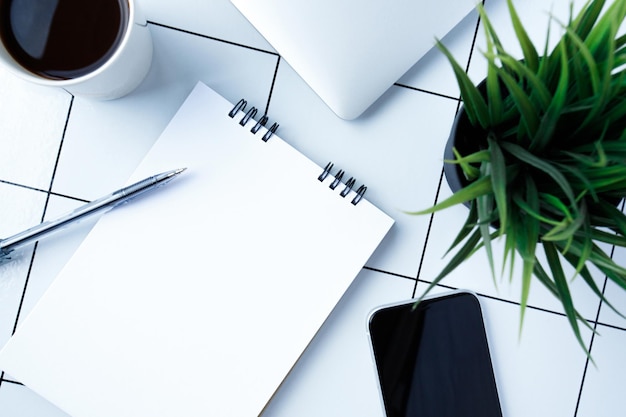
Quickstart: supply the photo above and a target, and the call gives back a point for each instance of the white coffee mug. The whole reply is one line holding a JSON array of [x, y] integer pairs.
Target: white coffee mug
[[119, 75]]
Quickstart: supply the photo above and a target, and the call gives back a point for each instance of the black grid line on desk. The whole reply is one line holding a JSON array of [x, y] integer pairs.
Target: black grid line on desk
[[279, 58], [421, 90], [593, 337], [212, 38], [10, 381], [441, 175], [235, 44], [49, 193], [595, 322], [269, 96], [40, 190]]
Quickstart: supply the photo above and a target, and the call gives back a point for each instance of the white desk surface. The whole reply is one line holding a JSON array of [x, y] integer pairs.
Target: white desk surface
[[58, 152]]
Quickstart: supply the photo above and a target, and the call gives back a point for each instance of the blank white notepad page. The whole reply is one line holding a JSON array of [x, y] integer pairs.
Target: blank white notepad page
[[198, 298]]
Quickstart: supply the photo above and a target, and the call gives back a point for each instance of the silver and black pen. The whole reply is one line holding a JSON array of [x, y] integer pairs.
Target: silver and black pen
[[116, 198]]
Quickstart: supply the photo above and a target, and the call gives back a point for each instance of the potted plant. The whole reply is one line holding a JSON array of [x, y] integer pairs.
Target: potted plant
[[540, 146]]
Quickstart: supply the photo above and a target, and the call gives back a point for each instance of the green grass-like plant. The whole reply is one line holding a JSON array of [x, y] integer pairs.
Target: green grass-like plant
[[550, 169]]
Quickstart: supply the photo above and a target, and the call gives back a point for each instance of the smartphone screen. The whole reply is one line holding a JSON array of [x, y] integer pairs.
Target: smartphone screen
[[433, 359]]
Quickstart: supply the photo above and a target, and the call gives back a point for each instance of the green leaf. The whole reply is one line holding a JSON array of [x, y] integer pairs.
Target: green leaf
[[490, 32], [529, 116], [614, 113], [578, 179], [587, 244], [600, 83], [542, 165], [526, 232], [494, 96], [611, 147], [530, 53], [591, 283], [544, 134], [499, 181], [528, 265], [465, 162], [470, 223], [617, 278], [605, 28], [603, 262], [605, 237], [540, 94], [544, 63], [472, 158], [600, 259], [510, 246], [620, 41], [562, 288], [472, 191], [545, 279], [554, 205], [596, 157], [547, 282], [464, 252], [566, 230], [474, 103], [617, 219], [484, 206], [521, 203], [587, 17]]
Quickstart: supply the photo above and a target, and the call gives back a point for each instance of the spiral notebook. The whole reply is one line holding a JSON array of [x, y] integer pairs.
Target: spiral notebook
[[197, 299]]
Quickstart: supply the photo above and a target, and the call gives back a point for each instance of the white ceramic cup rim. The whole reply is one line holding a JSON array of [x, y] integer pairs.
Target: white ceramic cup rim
[[22, 72]]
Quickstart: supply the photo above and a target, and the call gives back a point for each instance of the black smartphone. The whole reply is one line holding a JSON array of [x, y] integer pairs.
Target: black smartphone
[[433, 358]]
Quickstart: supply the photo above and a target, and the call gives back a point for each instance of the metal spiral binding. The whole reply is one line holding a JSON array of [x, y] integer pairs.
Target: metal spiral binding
[[249, 115], [360, 192], [337, 179], [241, 106]]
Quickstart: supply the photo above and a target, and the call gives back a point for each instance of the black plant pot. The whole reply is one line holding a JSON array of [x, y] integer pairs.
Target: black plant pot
[[466, 139]]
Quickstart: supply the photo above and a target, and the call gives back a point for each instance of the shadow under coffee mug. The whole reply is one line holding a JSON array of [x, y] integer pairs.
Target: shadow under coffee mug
[[100, 49]]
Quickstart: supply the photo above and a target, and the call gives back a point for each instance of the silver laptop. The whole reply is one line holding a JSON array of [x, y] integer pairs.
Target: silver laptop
[[351, 51]]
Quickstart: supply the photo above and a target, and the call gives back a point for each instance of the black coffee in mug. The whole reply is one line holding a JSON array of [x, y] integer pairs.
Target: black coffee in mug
[[62, 39]]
